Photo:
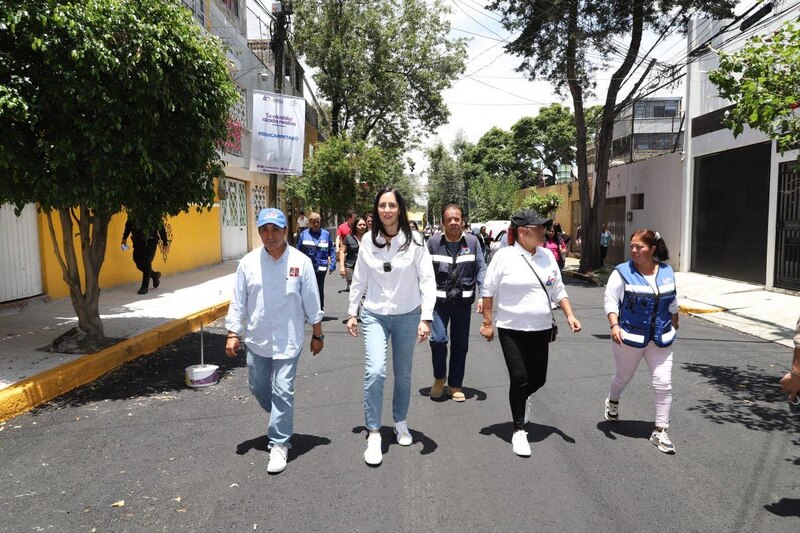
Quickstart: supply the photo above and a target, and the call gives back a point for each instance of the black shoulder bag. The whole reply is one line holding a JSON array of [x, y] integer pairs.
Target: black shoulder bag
[[554, 330]]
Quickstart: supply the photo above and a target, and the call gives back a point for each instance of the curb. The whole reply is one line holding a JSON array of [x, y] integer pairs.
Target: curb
[[584, 277], [689, 310], [35, 390]]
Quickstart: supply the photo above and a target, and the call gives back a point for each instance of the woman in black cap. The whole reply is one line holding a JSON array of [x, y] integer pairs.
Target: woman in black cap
[[525, 280]]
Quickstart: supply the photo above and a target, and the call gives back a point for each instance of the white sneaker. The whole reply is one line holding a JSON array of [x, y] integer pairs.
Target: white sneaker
[[527, 411], [612, 410], [277, 459], [402, 434], [520, 444], [660, 438], [373, 454]]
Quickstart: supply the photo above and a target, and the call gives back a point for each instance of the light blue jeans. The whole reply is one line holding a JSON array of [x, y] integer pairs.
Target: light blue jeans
[[403, 332], [272, 383]]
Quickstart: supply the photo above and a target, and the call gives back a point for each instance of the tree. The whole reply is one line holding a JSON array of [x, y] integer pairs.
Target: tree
[[342, 174], [105, 105], [763, 82], [494, 197], [445, 182], [548, 139], [382, 64], [558, 40]]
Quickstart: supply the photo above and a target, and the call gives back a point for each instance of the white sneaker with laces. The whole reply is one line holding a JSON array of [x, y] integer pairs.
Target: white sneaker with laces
[[277, 459], [403, 435], [661, 440], [373, 454], [520, 444]]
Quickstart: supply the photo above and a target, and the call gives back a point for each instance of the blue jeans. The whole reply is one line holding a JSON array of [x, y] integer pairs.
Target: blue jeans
[[458, 317], [377, 330], [272, 383]]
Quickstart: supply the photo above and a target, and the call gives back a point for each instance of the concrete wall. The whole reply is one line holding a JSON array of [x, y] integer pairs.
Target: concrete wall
[[659, 179]]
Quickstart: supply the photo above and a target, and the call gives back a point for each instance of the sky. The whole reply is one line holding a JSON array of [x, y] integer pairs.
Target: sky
[[491, 93]]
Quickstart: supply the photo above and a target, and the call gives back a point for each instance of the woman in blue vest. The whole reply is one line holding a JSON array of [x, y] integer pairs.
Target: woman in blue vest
[[316, 243], [642, 308]]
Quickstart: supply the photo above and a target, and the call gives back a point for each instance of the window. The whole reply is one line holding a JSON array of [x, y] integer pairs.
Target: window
[[637, 201], [197, 8], [233, 6]]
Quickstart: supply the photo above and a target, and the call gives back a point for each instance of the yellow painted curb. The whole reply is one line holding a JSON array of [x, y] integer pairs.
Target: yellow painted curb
[[700, 311], [35, 390]]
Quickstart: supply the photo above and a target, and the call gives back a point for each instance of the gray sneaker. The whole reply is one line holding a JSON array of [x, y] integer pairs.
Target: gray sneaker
[[612, 410], [661, 440]]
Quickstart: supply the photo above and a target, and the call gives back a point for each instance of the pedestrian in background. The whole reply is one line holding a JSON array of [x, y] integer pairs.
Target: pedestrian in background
[[302, 224], [554, 243], [790, 383], [396, 272], [525, 280], [145, 244], [459, 268], [316, 243], [344, 228], [642, 309], [349, 251], [274, 295], [606, 238]]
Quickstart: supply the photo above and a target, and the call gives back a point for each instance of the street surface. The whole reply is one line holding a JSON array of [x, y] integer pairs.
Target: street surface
[[195, 460]]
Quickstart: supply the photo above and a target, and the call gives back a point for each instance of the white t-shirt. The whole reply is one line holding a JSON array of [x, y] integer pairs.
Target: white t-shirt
[[521, 303], [302, 222]]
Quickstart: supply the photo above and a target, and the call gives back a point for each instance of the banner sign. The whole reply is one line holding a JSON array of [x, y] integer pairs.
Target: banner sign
[[279, 124]]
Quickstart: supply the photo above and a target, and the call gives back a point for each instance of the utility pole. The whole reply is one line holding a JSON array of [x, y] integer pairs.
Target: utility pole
[[280, 11]]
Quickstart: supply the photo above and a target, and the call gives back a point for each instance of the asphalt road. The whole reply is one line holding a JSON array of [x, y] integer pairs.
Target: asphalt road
[[195, 460]]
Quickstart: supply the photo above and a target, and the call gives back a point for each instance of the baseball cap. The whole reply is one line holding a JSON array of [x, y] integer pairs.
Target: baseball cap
[[530, 217], [271, 215]]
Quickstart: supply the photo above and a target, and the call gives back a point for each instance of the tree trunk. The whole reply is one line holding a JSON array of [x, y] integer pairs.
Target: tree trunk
[[93, 231]]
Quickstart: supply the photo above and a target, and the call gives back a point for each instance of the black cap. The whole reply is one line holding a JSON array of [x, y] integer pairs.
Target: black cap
[[530, 217]]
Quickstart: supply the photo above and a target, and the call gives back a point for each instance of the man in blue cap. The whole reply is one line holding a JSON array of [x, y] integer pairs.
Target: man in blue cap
[[274, 295]]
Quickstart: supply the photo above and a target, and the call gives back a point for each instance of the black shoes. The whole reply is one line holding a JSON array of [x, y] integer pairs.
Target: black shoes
[[156, 279], [142, 290]]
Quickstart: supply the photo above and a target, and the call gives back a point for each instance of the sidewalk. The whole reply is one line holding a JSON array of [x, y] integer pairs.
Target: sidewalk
[[30, 376]]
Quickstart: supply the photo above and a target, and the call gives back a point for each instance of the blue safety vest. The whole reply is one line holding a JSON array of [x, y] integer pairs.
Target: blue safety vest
[[318, 249], [644, 313], [456, 275]]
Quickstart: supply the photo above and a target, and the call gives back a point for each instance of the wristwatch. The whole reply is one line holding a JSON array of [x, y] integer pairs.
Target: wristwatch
[[318, 337]]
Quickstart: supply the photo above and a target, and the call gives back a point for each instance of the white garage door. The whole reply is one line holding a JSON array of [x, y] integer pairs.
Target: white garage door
[[20, 266]]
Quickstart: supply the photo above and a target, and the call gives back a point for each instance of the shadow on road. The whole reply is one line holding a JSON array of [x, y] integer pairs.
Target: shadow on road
[[151, 375], [301, 444], [469, 393], [536, 432], [388, 439], [744, 396], [785, 507], [634, 429]]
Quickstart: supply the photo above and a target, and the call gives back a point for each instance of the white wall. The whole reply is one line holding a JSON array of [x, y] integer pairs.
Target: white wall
[[659, 179]]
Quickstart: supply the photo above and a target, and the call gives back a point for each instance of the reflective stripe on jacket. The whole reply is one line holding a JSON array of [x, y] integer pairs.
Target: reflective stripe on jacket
[[456, 276], [319, 249]]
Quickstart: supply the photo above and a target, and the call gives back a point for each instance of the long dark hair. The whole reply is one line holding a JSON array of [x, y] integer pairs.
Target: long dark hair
[[402, 219], [652, 238]]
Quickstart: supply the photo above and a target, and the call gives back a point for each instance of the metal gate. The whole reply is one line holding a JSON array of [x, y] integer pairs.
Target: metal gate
[[20, 266], [787, 248], [615, 218], [233, 203]]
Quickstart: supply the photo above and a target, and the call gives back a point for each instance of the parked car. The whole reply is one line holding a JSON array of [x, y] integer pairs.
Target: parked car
[[496, 229]]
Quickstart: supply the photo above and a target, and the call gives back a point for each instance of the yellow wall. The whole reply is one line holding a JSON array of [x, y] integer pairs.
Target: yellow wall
[[196, 242], [563, 215]]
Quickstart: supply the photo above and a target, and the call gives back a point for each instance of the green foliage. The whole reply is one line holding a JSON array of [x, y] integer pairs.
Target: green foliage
[[762, 79], [547, 140], [382, 64], [493, 197], [446, 183], [544, 204], [342, 174]]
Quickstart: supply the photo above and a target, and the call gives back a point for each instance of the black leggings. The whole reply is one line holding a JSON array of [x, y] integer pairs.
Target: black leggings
[[526, 354]]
